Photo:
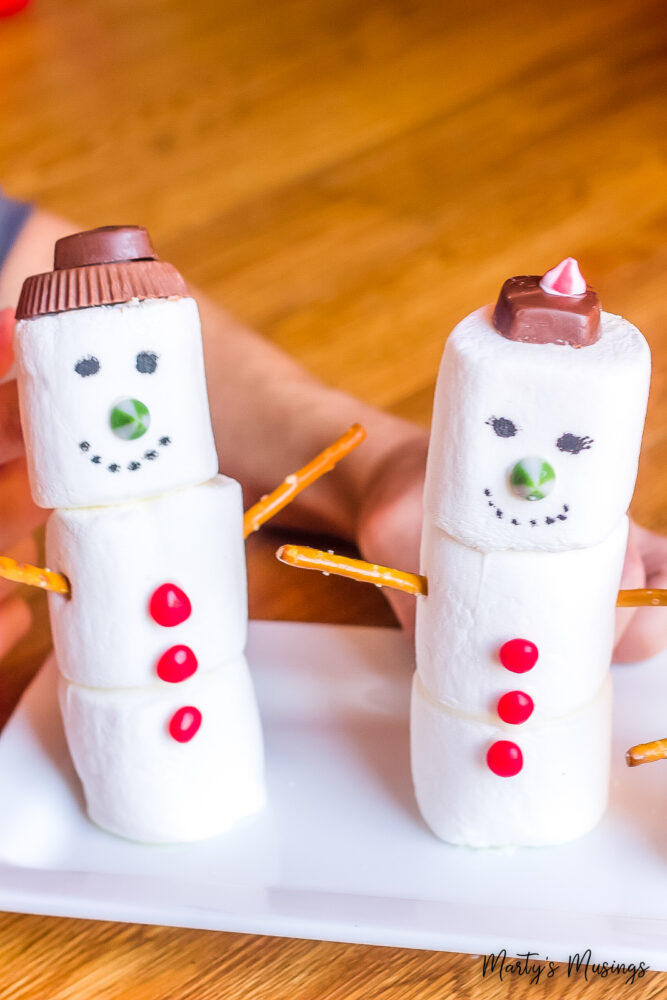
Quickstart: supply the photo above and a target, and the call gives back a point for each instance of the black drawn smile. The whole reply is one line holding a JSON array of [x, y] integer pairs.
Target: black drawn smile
[[533, 522], [148, 456]]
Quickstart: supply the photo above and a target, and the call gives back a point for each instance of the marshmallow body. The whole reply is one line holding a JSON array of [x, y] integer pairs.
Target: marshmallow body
[[113, 402], [499, 402], [117, 557], [142, 784], [563, 602], [559, 794]]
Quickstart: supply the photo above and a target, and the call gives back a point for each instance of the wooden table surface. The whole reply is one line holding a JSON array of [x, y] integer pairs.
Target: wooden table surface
[[351, 178]]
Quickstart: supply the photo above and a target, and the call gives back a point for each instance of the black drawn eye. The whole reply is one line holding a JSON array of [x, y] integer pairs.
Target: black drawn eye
[[503, 427], [146, 362], [573, 444], [87, 366]]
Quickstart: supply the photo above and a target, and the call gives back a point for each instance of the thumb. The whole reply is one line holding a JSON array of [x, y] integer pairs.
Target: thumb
[[6, 340]]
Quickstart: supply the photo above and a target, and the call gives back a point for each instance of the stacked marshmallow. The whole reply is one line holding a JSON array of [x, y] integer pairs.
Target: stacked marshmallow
[[532, 463], [155, 692]]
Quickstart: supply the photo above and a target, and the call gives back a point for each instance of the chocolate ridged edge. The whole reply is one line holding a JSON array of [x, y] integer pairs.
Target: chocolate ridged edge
[[97, 285]]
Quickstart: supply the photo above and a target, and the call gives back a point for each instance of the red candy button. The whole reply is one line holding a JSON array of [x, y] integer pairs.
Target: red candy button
[[515, 707], [177, 664], [519, 655], [184, 724], [170, 605], [504, 758]]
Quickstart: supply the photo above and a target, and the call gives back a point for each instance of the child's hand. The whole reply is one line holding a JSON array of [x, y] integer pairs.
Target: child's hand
[[390, 520]]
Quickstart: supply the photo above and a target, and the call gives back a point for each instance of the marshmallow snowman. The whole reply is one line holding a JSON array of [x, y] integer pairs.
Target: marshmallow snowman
[[536, 432], [535, 439], [155, 693]]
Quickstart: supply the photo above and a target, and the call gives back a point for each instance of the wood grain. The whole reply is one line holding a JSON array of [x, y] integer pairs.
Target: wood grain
[[351, 179]]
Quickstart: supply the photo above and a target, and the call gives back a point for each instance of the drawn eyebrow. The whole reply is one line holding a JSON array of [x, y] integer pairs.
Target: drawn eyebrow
[[573, 444], [87, 366], [502, 426]]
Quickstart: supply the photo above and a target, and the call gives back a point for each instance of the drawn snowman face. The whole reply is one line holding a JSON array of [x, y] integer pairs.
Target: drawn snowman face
[[115, 401], [129, 419], [532, 478], [535, 446]]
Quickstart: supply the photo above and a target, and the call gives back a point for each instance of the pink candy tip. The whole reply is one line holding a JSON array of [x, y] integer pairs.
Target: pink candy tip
[[564, 279]]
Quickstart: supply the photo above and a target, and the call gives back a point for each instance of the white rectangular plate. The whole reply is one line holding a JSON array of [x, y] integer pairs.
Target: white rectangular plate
[[341, 853]]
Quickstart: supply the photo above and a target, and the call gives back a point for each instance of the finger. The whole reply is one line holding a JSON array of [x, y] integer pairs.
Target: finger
[[632, 577], [24, 552], [646, 633], [404, 607], [15, 621], [652, 548], [18, 514], [6, 340], [11, 436]]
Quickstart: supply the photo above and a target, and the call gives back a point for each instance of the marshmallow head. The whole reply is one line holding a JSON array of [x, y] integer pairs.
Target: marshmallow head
[[535, 445], [113, 402]]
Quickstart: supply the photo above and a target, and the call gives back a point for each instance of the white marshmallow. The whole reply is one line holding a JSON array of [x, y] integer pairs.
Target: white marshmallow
[[596, 394], [142, 784], [116, 557], [564, 602], [74, 457], [560, 793]]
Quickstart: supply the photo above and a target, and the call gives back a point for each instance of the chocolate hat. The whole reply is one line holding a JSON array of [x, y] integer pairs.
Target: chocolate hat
[[557, 308], [98, 267]]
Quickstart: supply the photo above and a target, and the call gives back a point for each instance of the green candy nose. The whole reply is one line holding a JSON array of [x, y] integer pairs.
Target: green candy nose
[[532, 478], [129, 419]]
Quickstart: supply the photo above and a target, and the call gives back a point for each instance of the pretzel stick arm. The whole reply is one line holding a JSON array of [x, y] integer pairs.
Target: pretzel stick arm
[[642, 598], [269, 506], [34, 576], [412, 583], [354, 569], [646, 753]]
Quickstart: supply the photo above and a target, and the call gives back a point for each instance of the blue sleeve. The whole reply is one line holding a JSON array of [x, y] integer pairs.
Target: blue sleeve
[[13, 215]]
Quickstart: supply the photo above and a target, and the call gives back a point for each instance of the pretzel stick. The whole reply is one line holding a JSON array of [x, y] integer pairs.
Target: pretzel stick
[[34, 576], [354, 569], [269, 506], [645, 753], [642, 598], [46, 579]]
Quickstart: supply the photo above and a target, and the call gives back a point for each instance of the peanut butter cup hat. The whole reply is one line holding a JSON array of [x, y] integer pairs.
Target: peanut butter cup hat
[[103, 266]]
